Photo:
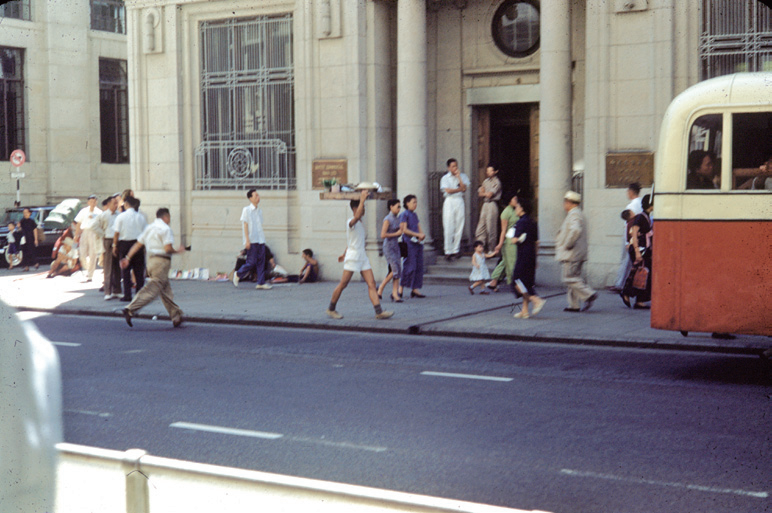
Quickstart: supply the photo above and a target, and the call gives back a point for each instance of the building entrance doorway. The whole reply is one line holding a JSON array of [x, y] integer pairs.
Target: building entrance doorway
[[508, 135]]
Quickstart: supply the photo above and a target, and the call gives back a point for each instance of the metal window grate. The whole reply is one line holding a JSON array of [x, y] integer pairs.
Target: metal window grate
[[108, 15], [247, 104], [736, 36], [17, 9], [12, 128]]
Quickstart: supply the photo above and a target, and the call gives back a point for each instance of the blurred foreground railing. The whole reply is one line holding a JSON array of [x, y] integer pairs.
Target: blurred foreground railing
[[91, 479]]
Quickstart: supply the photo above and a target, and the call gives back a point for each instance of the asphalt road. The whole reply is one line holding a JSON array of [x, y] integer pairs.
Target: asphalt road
[[526, 425]]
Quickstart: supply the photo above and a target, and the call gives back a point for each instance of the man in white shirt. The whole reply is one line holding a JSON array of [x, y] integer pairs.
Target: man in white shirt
[[158, 241], [355, 259], [87, 235], [634, 205], [129, 225], [111, 284], [253, 238], [453, 185]]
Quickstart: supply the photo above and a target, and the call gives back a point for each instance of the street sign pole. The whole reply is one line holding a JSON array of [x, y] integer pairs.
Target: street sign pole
[[17, 159]]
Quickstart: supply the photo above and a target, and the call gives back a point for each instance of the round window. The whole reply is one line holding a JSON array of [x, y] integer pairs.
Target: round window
[[516, 27]]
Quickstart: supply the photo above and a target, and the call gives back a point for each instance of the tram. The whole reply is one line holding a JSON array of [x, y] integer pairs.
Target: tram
[[712, 245]]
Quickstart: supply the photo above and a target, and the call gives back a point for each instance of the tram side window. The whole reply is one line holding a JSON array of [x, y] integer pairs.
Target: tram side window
[[704, 163], [752, 151]]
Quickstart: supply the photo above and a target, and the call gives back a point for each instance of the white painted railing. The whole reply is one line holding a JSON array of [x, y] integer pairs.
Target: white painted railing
[[91, 479]]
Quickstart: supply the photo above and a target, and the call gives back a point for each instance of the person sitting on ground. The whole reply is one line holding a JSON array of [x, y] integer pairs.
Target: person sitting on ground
[[65, 255], [309, 273]]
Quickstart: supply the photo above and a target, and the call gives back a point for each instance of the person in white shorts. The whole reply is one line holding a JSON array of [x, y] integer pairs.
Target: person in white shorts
[[355, 259]]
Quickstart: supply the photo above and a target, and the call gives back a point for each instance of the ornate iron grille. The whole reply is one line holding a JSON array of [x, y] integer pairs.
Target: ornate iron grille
[[18, 9], [736, 36], [247, 105]]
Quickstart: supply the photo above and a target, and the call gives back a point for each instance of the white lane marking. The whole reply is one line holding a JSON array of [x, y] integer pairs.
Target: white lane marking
[[341, 445], [699, 488], [66, 344], [87, 412], [133, 351], [464, 376], [225, 430]]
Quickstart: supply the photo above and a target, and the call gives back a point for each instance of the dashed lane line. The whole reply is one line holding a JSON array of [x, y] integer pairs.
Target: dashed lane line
[[465, 376]]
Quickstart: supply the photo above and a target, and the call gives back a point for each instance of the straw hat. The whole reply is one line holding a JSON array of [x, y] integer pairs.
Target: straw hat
[[573, 197]]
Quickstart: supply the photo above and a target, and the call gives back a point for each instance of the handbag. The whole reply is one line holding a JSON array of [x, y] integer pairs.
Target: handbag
[[403, 249], [640, 278]]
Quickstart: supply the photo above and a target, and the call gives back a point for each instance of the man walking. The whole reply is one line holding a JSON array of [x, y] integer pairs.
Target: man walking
[[88, 235], [129, 225], [355, 259], [453, 185], [253, 239], [112, 272], [634, 205], [571, 252], [158, 240], [487, 226]]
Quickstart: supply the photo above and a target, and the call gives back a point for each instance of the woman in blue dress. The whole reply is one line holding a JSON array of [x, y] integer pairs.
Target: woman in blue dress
[[524, 274], [413, 235], [390, 232]]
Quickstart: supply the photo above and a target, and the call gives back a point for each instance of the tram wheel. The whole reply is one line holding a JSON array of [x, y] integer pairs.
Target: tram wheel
[[685, 333]]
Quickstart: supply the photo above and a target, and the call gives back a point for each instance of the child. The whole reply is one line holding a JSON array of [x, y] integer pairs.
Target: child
[[480, 273], [310, 271], [15, 239]]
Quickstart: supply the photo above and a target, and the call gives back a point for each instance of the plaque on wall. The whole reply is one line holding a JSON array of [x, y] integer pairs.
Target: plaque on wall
[[624, 168], [327, 169]]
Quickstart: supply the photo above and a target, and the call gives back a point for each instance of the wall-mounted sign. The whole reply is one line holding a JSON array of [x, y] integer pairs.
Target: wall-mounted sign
[[624, 168], [327, 169]]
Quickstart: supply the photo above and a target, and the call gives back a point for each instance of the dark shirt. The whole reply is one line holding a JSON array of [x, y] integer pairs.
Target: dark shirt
[[28, 227], [698, 181]]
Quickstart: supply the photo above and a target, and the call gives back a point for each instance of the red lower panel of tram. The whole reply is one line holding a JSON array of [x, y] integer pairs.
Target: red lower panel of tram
[[712, 276]]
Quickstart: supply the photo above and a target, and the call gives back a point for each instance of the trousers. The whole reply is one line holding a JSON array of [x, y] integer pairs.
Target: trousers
[[453, 223], [89, 251], [112, 272], [255, 262], [578, 290], [488, 226], [157, 285], [136, 264], [506, 266]]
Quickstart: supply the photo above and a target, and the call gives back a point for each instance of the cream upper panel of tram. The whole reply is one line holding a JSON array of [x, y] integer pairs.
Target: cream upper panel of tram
[[713, 206], [724, 96]]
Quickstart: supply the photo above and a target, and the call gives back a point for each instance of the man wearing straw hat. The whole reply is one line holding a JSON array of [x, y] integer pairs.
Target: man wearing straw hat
[[571, 252]]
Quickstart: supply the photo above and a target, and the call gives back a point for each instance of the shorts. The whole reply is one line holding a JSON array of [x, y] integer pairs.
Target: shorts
[[358, 265]]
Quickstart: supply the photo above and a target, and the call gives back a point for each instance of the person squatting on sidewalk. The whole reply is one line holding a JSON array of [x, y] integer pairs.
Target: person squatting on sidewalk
[[88, 236], [487, 226], [253, 238], [129, 225], [158, 240], [571, 252], [453, 184], [355, 259]]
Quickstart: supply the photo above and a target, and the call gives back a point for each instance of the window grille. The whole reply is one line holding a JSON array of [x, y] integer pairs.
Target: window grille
[[12, 127], [114, 111], [247, 105], [736, 36], [108, 15], [18, 9]]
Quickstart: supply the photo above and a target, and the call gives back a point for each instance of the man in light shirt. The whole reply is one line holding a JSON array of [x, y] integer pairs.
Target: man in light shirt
[[253, 239], [129, 225], [158, 241], [633, 195], [112, 273], [87, 235], [453, 185]]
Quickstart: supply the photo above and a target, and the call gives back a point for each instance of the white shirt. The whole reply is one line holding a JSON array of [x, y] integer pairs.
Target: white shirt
[[129, 224], [106, 222], [355, 237], [87, 218], [635, 205], [253, 216], [155, 238], [449, 181]]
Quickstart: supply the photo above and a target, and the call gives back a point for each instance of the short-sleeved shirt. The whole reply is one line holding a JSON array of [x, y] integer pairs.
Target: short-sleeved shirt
[[87, 218], [449, 181], [253, 216], [129, 225], [410, 219], [155, 238], [509, 215], [492, 184], [106, 222]]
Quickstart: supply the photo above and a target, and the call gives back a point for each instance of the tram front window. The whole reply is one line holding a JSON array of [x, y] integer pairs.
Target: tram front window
[[704, 163], [752, 151]]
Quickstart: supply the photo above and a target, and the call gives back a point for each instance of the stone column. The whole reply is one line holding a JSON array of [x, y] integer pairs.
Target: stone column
[[412, 170], [555, 140]]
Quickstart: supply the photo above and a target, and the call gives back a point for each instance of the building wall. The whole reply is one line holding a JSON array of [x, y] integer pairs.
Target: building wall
[[61, 78]]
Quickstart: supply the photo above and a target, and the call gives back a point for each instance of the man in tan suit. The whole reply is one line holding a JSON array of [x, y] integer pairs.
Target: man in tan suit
[[571, 252]]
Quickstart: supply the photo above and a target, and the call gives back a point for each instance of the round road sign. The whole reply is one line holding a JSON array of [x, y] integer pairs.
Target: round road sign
[[18, 158]]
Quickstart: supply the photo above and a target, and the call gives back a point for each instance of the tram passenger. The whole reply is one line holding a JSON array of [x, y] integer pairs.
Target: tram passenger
[[701, 171], [763, 180]]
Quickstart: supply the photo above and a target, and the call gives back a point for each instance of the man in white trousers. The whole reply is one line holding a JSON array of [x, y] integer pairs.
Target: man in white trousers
[[88, 235], [453, 185]]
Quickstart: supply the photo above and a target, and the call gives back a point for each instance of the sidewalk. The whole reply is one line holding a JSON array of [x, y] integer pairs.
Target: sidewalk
[[448, 310]]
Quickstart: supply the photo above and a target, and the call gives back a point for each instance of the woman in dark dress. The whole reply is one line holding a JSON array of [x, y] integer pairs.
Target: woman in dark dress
[[29, 248], [640, 251], [524, 274]]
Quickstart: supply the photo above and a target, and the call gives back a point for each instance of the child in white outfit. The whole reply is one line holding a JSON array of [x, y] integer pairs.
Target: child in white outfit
[[480, 273]]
